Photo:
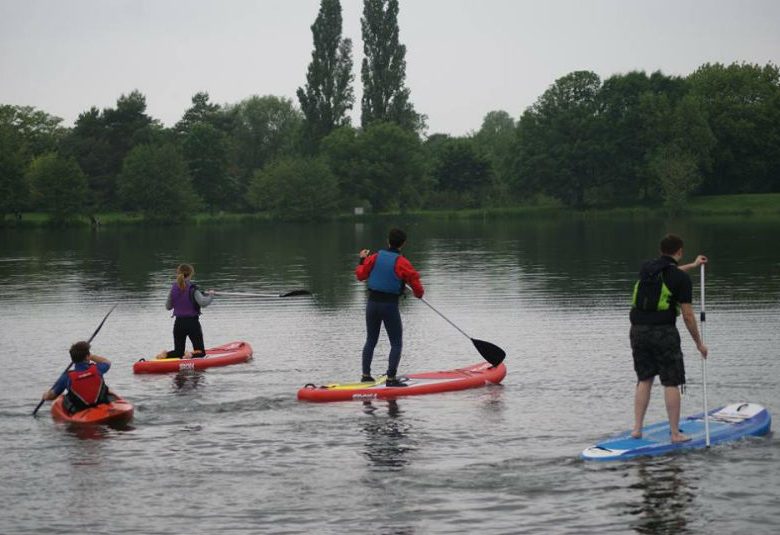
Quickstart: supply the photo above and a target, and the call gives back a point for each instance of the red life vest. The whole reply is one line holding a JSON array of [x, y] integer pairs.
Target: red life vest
[[86, 385]]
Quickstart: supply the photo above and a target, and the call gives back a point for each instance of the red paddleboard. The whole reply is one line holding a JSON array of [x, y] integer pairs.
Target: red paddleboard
[[117, 411], [224, 355], [475, 376]]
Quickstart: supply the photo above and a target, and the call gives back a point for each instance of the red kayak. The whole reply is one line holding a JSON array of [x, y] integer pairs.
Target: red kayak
[[475, 376], [232, 353], [117, 411]]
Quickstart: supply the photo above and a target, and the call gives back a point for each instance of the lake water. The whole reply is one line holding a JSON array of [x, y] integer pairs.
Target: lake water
[[231, 450]]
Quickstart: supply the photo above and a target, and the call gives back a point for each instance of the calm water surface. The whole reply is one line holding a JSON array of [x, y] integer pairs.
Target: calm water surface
[[230, 450]]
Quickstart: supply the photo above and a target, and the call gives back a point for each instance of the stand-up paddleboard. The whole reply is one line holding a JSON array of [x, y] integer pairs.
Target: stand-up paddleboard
[[232, 353], [474, 376], [727, 423], [117, 411]]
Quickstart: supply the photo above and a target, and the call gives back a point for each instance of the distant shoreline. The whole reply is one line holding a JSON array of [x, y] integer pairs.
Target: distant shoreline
[[745, 205]]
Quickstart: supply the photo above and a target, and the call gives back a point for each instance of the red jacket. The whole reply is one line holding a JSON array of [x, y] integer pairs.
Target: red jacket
[[403, 270]]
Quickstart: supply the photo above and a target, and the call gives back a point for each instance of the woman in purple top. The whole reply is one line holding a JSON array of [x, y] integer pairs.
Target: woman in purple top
[[186, 300]]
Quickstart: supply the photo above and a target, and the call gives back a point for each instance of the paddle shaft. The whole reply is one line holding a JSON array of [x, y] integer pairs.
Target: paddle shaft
[[94, 334], [250, 294], [703, 317], [445, 318]]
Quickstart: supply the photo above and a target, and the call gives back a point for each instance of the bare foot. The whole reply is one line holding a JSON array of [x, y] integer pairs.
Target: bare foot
[[161, 355], [677, 438], [636, 434]]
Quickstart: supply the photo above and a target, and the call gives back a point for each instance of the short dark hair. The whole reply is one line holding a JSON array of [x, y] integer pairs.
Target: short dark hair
[[670, 244], [396, 237], [79, 351]]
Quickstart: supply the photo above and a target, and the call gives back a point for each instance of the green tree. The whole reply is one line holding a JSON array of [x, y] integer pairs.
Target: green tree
[[391, 159], [341, 151], [265, 128], [295, 189], [59, 187], [383, 71], [383, 166], [682, 151], [463, 175], [201, 112], [38, 131], [497, 139], [328, 94], [560, 149], [155, 181], [100, 141], [205, 149], [13, 187], [742, 104]]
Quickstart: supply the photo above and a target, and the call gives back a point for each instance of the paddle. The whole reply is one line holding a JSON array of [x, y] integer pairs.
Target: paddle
[[88, 341], [704, 366], [490, 352], [293, 293]]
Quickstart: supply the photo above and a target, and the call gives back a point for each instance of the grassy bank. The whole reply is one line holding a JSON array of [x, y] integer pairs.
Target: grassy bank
[[749, 205]]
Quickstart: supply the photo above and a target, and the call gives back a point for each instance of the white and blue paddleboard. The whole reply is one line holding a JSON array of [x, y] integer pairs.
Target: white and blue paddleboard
[[727, 423]]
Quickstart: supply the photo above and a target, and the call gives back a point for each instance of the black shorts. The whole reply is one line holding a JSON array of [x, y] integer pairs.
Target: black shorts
[[656, 350]]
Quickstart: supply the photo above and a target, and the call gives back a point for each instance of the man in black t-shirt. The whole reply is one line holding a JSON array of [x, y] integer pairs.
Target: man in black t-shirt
[[661, 293]]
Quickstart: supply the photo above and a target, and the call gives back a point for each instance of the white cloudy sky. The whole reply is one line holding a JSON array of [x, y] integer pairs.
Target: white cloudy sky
[[464, 57]]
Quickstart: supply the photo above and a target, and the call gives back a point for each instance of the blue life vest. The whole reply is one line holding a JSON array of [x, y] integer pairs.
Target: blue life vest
[[383, 278]]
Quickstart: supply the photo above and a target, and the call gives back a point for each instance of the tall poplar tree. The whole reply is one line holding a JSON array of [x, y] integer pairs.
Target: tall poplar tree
[[328, 94], [385, 97]]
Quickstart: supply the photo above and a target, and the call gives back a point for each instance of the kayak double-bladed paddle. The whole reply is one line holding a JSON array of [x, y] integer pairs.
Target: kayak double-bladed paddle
[[94, 334], [489, 351], [293, 293]]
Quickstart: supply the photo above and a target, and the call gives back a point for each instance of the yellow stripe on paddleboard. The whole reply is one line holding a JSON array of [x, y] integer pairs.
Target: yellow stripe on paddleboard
[[356, 386]]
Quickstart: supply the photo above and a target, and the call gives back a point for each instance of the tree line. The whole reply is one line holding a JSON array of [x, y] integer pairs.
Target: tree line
[[632, 138]]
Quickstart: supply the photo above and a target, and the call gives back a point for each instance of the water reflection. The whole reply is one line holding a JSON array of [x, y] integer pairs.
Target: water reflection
[[387, 439], [666, 497], [188, 380], [95, 432]]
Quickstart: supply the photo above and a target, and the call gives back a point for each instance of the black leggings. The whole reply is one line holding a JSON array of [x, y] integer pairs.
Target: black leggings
[[182, 328]]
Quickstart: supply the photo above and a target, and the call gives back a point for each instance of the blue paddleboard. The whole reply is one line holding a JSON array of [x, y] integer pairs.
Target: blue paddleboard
[[727, 423]]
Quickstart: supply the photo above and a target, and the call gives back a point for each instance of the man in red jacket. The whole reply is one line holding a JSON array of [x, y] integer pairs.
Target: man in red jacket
[[387, 272]]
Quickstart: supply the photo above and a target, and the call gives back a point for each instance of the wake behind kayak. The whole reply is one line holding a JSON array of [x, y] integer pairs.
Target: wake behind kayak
[[475, 376]]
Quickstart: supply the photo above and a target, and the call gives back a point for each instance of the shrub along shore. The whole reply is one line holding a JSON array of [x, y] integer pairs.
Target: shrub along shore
[[747, 205]]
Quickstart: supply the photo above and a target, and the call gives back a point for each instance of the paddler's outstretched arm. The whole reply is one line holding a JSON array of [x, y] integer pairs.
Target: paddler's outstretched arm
[[701, 259]]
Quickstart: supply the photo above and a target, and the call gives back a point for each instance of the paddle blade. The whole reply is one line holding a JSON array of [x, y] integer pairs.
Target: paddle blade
[[295, 292], [490, 352]]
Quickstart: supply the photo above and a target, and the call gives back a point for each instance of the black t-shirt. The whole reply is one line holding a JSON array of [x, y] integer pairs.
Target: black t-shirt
[[679, 284]]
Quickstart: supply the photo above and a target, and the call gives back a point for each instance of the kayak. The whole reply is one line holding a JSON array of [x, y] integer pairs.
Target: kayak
[[475, 376], [732, 422], [224, 355], [117, 411]]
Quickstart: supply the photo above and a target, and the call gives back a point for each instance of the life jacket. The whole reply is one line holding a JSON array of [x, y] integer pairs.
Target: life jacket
[[383, 278], [183, 301], [86, 389], [651, 294]]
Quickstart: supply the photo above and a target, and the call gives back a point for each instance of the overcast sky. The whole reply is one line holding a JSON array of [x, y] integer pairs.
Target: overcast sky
[[464, 57]]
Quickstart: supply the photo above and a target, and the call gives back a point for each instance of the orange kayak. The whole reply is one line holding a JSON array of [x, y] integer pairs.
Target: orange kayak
[[117, 411], [232, 353]]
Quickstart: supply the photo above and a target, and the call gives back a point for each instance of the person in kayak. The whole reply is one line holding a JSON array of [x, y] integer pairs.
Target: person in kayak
[[387, 273], [84, 383], [186, 300], [663, 290]]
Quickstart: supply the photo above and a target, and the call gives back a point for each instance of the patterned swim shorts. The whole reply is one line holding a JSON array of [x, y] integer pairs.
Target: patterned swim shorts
[[656, 350]]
